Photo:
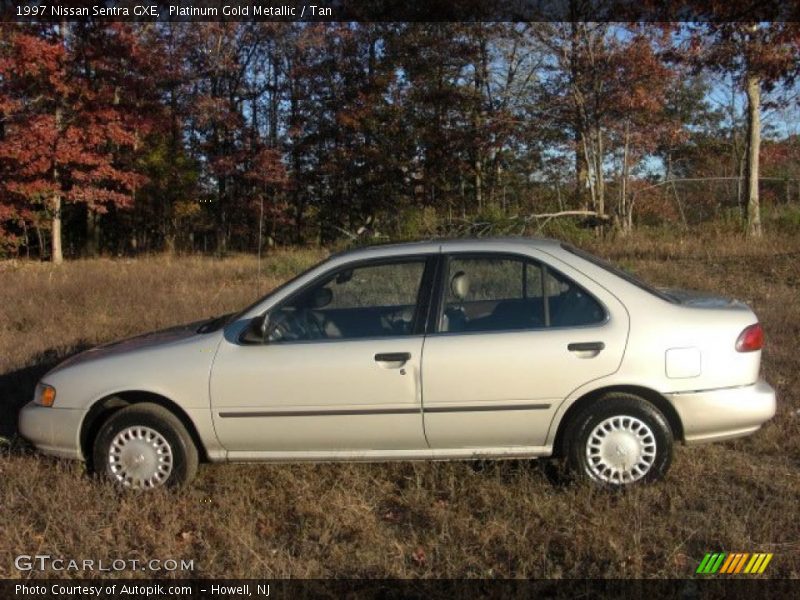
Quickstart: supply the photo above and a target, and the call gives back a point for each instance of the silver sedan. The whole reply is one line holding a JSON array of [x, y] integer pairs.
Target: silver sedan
[[459, 349]]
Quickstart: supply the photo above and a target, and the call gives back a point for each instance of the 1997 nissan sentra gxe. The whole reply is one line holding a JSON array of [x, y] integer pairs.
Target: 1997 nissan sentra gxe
[[436, 350]]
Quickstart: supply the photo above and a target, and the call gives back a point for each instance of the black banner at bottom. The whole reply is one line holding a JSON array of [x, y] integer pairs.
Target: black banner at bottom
[[257, 589]]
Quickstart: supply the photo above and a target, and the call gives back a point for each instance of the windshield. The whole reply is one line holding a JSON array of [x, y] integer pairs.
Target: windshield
[[217, 323], [629, 277]]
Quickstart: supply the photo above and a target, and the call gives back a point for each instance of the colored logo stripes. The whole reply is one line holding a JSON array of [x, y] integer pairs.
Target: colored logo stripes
[[733, 563]]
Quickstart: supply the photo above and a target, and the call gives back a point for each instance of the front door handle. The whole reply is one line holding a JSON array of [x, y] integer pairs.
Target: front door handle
[[392, 357], [594, 347]]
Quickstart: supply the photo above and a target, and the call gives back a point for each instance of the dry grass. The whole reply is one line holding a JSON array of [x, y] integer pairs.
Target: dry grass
[[504, 519]]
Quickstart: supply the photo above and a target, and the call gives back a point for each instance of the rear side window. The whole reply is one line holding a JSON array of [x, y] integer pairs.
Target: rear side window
[[505, 293], [569, 304]]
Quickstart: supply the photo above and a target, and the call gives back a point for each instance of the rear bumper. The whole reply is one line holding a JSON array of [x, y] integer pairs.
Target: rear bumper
[[54, 431], [722, 414]]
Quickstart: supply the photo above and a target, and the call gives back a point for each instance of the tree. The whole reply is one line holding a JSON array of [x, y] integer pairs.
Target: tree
[[231, 115], [762, 56], [71, 119], [604, 88]]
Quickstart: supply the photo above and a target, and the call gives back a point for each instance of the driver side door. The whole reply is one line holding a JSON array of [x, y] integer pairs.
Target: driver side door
[[339, 371]]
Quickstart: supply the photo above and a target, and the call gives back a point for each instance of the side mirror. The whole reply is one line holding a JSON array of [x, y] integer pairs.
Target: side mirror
[[256, 332]]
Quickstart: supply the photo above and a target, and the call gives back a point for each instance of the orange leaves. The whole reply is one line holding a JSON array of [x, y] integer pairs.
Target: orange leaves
[[267, 167]]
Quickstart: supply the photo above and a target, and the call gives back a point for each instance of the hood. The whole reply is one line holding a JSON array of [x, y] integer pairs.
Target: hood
[[153, 339], [696, 299]]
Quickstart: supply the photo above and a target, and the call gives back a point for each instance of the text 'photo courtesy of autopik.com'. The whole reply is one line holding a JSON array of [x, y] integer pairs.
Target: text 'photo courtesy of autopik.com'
[[339, 298]]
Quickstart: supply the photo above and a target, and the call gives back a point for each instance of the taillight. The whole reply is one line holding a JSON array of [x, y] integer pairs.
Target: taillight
[[751, 339]]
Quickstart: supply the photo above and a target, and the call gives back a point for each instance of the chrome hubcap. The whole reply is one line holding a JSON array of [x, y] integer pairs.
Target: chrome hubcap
[[140, 457], [620, 450]]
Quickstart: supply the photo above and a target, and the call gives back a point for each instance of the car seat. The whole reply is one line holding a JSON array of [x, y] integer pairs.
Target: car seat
[[455, 316]]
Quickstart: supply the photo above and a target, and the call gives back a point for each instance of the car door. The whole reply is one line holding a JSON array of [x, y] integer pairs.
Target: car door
[[514, 336], [339, 371]]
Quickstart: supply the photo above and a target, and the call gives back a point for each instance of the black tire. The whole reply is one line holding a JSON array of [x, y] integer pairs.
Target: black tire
[[164, 440], [642, 431]]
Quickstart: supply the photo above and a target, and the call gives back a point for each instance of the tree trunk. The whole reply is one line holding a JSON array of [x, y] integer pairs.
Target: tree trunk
[[40, 239], [56, 254], [477, 124], [598, 172], [624, 219], [581, 174], [170, 246], [589, 177], [581, 166], [479, 184], [753, 147], [26, 239], [92, 233]]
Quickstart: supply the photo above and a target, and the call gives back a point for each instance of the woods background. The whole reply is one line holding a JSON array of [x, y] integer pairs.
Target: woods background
[[122, 138]]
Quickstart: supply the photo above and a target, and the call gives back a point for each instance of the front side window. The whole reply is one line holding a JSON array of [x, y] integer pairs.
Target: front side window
[[374, 300], [499, 293]]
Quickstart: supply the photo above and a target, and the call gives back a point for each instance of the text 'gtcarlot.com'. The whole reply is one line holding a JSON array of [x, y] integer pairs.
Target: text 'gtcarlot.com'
[[46, 562]]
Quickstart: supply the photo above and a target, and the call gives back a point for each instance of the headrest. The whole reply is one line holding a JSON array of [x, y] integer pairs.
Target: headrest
[[459, 285], [320, 298]]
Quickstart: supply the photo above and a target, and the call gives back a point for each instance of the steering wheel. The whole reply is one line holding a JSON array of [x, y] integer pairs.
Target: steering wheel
[[281, 328], [295, 326], [312, 325]]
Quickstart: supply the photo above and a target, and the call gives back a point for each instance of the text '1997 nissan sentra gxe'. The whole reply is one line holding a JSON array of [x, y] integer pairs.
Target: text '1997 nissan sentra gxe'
[[457, 349]]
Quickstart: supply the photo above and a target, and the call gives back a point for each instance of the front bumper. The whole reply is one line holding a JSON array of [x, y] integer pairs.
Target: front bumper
[[721, 414], [54, 431]]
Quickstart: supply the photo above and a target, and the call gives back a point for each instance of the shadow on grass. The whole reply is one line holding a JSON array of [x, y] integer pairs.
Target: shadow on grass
[[552, 470], [17, 387]]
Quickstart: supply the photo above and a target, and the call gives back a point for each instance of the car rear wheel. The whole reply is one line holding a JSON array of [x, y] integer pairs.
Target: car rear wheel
[[619, 441], [145, 446]]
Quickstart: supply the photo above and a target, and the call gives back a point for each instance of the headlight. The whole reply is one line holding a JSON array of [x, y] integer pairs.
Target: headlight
[[45, 395]]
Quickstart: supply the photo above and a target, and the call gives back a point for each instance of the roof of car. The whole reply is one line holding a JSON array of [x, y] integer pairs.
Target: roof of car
[[434, 244]]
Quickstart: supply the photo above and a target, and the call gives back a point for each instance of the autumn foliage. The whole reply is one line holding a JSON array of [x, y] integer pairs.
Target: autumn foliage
[[73, 118], [126, 137]]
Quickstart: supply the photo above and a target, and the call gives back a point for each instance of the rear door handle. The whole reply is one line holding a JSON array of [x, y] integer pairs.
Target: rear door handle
[[393, 357], [586, 347]]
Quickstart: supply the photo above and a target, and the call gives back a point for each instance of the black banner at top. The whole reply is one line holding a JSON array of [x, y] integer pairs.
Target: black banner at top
[[401, 10]]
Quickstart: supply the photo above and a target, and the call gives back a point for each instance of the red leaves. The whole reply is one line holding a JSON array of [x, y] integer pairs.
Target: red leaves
[[73, 119]]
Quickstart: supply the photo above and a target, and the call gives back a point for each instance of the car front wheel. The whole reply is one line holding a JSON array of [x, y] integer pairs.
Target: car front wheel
[[145, 446], [619, 441]]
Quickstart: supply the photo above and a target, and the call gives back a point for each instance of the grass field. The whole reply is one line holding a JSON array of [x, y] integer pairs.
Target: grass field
[[459, 519]]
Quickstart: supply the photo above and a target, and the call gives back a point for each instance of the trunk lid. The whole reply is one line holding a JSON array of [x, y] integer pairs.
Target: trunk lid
[[700, 299]]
